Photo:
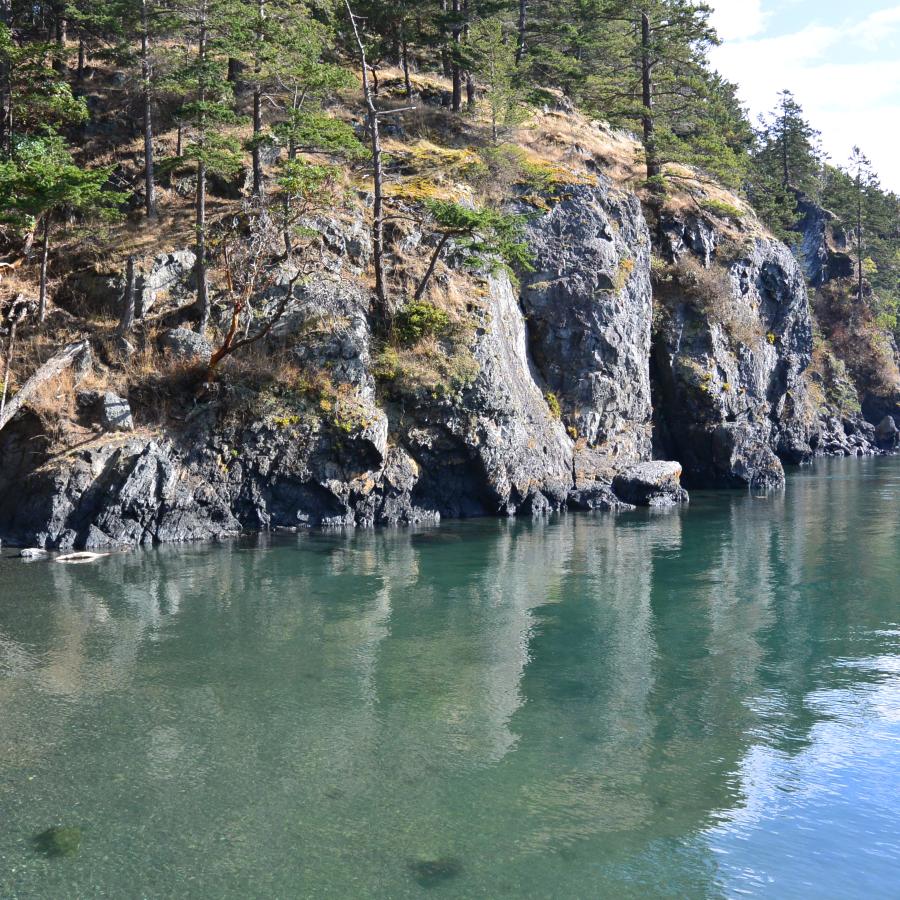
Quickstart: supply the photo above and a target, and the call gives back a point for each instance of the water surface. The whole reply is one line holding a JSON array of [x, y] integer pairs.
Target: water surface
[[701, 703]]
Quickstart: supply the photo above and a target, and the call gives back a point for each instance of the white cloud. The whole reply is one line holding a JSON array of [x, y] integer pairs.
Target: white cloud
[[848, 90], [736, 19], [878, 25]]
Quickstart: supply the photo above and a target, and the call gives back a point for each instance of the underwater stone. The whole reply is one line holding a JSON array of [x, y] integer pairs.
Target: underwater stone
[[431, 872], [60, 840]]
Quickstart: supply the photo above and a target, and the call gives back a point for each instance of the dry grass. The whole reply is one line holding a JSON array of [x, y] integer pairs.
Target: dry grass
[[710, 291]]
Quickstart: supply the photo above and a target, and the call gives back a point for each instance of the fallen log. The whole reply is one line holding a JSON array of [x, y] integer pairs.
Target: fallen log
[[66, 357]]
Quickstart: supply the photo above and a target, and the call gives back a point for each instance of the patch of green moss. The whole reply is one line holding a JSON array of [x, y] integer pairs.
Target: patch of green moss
[[722, 209]]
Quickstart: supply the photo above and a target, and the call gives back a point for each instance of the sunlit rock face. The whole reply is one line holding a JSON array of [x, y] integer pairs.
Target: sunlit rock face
[[592, 363], [589, 307], [728, 364]]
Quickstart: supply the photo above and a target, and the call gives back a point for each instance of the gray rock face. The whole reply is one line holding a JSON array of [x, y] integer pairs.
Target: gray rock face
[[496, 448], [887, 434], [115, 412], [589, 310], [117, 493], [187, 346], [819, 252], [656, 484], [728, 403], [168, 276], [107, 409]]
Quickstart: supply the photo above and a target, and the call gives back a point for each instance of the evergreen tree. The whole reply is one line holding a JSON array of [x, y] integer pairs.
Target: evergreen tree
[[788, 146], [872, 217], [33, 96], [39, 182], [491, 56], [649, 66], [202, 76]]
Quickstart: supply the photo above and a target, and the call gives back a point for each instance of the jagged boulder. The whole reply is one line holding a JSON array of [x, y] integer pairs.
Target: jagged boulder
[[115, 412], [822, 252], [186, 346]]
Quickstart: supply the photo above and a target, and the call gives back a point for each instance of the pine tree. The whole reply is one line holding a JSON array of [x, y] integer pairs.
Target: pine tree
[[870, 214], [202, 76], [648, 64], [33, 96], [491, 55], [789, 147], [39, 182]]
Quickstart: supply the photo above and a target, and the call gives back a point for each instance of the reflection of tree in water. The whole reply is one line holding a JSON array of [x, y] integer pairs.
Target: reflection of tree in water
[[526, 698]]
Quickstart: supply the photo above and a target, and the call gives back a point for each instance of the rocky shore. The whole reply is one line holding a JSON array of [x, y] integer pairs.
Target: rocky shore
[[630, 343]]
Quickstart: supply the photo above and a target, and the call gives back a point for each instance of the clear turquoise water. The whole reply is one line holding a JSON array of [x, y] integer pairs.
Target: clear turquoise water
[[703, 703]]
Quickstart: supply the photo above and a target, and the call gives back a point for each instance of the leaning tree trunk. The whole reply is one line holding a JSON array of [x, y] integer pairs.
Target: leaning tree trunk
[[17, 313], [51, 369]]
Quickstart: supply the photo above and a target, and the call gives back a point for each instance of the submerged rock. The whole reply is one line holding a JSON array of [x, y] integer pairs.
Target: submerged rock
[[80, 557], [887, 434], [432, 872], [656, 484], [60, 840]]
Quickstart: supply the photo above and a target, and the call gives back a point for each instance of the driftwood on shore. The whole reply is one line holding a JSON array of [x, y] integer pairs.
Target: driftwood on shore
[[57, 364]]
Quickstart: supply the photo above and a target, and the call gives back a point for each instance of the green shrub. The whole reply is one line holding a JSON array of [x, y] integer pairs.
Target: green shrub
[[418, 320], [553, 404], [722, 209]]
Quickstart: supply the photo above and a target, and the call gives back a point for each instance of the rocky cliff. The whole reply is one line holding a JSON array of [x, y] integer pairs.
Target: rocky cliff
[[686, 339]]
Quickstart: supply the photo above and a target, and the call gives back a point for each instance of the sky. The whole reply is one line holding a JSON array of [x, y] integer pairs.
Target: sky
[[841, 61]]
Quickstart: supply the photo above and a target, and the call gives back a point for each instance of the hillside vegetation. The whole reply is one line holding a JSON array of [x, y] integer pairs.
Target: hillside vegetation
[[200, 168]]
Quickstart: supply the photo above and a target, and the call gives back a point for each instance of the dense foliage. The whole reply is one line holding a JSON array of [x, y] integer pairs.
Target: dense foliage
[[274, 67]]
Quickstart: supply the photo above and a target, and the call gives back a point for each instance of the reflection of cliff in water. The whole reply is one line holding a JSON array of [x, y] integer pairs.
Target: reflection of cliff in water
[[551, 691]]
